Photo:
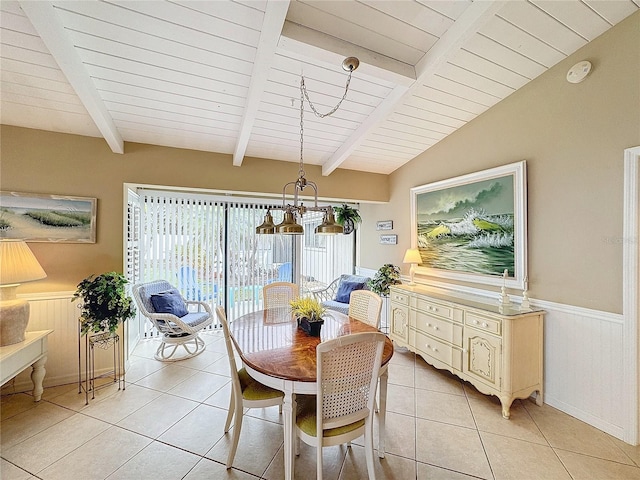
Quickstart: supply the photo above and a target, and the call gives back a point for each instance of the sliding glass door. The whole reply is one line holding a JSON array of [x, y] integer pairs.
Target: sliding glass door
[[207, 247]]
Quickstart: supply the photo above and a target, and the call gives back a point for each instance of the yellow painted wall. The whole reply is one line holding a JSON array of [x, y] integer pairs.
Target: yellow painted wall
[[573, 138], [36, 161]]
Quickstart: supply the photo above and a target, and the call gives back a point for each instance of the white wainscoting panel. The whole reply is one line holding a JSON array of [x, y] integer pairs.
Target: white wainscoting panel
[[55, 311], [583, 365]]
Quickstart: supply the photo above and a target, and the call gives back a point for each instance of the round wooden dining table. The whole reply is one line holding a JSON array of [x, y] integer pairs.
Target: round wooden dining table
[[277, 353]]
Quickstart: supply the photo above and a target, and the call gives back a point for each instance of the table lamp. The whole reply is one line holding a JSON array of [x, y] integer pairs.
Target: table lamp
[[413, 257], [18, 264]]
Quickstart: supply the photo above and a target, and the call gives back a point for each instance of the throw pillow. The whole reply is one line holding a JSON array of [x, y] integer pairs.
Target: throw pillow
[[344, 290], [169, 302]]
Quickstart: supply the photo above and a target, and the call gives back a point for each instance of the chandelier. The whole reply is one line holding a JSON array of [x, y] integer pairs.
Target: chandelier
[[296, 209]]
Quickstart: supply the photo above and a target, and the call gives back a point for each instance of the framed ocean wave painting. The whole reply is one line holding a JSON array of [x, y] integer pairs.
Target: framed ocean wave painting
[[473, 228], [47, 218]]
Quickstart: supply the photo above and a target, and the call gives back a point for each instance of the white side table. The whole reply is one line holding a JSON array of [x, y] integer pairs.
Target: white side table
[[17, 357]]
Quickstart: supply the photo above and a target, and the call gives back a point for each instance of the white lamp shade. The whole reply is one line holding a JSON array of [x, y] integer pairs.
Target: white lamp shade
[[18, 264], [412, 256]]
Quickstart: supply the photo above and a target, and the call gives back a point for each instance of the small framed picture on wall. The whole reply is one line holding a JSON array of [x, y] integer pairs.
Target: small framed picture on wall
[[388, 239], [384, 225]]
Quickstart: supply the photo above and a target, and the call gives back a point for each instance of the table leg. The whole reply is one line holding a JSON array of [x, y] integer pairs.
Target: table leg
[[382, 412], [288, 411], [37, 376]]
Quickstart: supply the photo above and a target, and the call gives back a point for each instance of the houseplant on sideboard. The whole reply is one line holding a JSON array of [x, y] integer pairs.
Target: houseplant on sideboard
[[387, 275]]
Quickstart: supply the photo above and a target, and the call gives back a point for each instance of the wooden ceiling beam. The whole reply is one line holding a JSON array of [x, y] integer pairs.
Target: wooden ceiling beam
[[274, 16], [45, 20]]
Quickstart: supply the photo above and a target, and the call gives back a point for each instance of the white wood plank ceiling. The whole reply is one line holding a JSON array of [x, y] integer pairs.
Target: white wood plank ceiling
[[223, 76]]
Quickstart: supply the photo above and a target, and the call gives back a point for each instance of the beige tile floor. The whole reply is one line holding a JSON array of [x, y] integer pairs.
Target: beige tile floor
[[168, 424]]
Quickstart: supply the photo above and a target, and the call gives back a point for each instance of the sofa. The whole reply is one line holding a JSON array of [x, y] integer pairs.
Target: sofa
[[335, 296]]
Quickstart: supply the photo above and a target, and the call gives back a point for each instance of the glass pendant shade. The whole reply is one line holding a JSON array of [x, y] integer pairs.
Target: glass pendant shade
[[289, 226], [267, 227], [329, 225]]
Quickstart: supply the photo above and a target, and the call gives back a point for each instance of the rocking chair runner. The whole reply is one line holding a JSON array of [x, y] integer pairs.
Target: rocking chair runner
[[176, 331]]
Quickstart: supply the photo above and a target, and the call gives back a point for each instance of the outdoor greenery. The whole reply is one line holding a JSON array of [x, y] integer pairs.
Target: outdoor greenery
[[386, 276], [105, 303], [308, 308]]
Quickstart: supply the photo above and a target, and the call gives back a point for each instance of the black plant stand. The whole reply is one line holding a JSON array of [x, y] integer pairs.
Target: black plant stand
[[104, 341]]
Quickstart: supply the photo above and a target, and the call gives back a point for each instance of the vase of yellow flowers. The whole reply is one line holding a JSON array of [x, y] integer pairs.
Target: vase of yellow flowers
[[308, 312]]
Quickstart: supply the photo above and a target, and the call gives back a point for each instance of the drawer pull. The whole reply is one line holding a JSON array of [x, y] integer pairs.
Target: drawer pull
[[429, 347], [484, 324], [435, 327], [476, 322], [428, 324]]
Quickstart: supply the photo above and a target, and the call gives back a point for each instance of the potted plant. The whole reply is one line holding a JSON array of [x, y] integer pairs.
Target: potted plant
[[309, 313], [387, 275], [105, 303], [348, 217]]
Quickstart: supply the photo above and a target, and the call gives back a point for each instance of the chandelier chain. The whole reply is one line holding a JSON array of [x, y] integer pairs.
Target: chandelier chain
[[301, 169], [303, 87], [304, 94]]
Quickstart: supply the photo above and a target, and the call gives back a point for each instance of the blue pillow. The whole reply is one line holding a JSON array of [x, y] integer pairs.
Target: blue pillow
[[344, 290], [169, 302]]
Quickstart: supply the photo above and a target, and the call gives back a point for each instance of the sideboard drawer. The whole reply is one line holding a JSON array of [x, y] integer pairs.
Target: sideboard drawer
[[401, 298], [442, 329], [491, 325], [441, 310], [434, 348]]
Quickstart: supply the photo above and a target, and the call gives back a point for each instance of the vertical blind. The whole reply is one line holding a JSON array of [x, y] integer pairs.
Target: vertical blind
[[208, 248]]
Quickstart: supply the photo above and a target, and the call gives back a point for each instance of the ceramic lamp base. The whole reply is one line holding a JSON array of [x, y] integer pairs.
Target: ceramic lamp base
[[14, 318]]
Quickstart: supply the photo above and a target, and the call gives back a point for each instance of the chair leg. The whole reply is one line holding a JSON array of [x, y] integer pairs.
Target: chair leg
[[368, 448], [319, 458], [232, 407], [237, 426]]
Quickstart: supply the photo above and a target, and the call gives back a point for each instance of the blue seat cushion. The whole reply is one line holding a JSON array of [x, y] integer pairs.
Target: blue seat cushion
[[169, 302], [337, 306], [193, 319], [345, 288]]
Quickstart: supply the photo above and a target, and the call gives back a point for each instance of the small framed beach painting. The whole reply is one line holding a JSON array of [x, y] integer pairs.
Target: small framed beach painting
[[47, 218]]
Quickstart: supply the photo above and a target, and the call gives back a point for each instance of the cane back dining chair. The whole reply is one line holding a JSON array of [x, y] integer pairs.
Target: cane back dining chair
[[279, 294], [245, 391], [365, 305], [342, 410], [174, 317]]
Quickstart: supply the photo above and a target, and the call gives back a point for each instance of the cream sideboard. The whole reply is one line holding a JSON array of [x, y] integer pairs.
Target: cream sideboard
[[497, 349]]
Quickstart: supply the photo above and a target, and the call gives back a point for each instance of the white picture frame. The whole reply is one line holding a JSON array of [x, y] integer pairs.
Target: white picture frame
[[442, 227]]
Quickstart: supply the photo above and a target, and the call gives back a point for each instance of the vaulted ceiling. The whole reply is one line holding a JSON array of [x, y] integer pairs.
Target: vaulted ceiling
[[224, 76]]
